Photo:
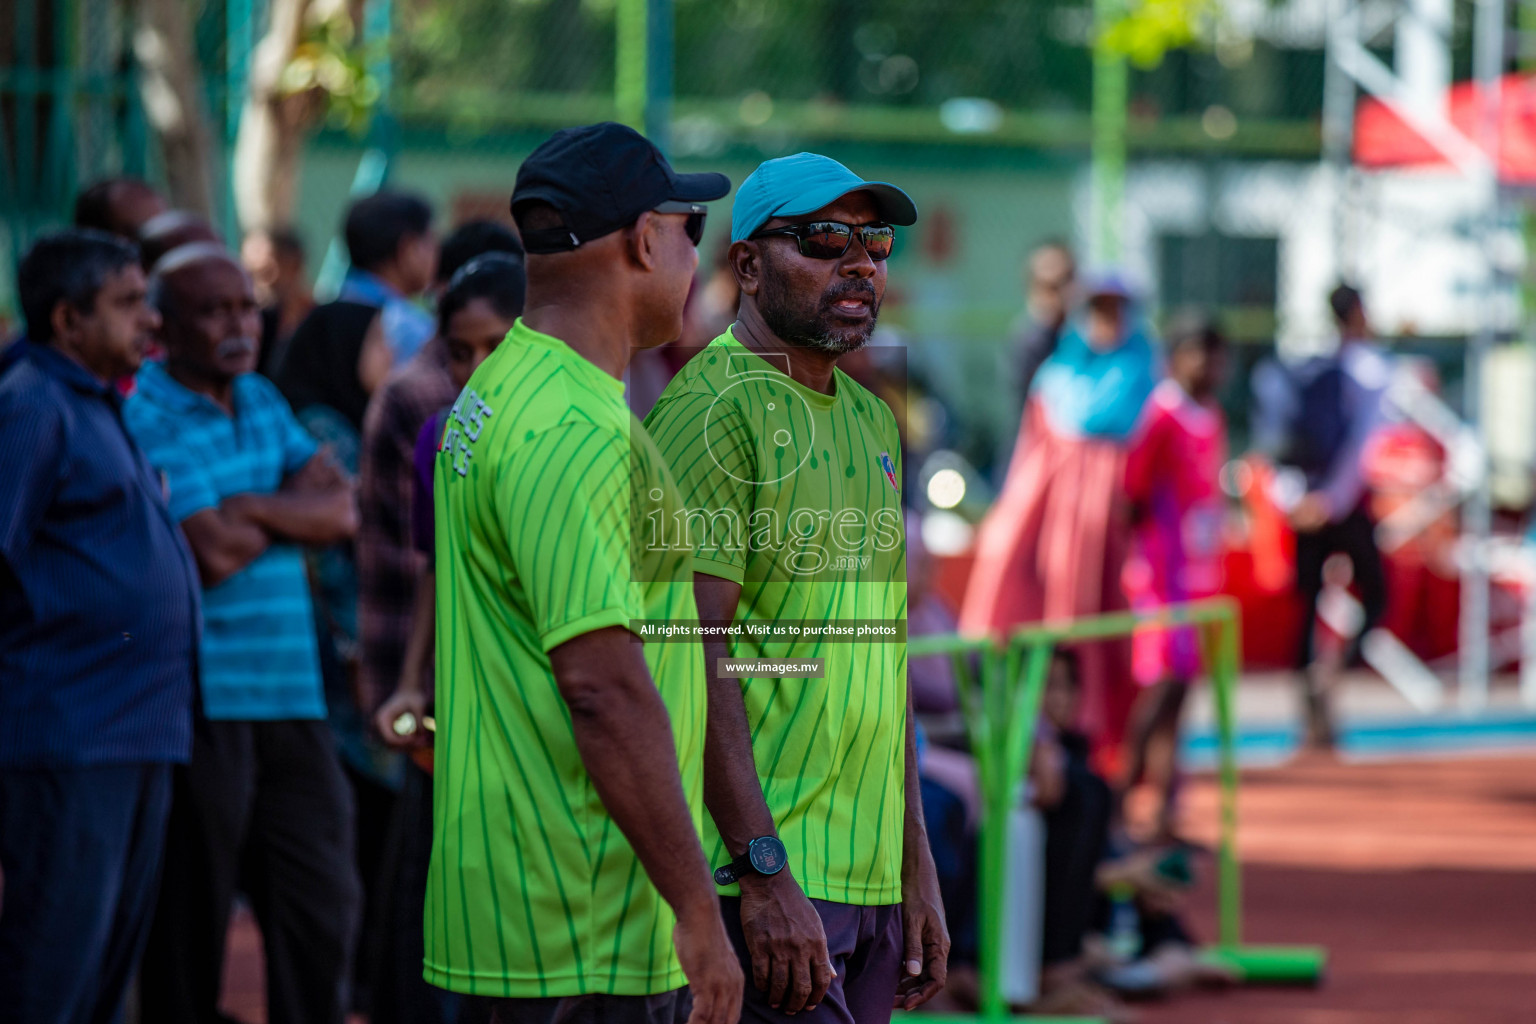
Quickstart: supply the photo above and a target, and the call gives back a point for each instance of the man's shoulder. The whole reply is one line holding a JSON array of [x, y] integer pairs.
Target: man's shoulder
[[25, 385], [253, 387], [700, 385], [865, 403], [149, 412]]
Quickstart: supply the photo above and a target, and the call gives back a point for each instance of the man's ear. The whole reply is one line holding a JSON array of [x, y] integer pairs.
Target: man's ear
[[642, 239], [63, 319], [746, 262]]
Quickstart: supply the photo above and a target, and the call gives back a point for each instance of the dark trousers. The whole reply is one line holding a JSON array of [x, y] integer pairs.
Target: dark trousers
[[1355, 538], [865, 945], [263, 808], [1076, 831], [400, 994], [80, 849]]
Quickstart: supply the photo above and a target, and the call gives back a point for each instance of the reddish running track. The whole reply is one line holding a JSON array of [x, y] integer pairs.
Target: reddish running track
[[1419, 876]]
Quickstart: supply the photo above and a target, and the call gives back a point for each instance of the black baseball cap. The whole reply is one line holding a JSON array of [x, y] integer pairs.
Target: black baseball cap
[[600, 178]]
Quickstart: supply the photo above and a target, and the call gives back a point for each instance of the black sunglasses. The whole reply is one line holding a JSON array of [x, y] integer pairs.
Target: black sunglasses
[[829, 239], [695, 211]]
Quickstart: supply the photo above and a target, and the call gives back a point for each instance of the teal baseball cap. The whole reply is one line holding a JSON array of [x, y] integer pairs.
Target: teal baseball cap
[[792, 186]]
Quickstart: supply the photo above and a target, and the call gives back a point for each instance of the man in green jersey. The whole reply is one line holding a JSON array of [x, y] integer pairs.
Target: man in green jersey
[[567, 880], [791, 477]]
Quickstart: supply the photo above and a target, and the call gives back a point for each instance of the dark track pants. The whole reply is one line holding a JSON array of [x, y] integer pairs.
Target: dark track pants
[[1355, 538], [81, 850], [263, 808]]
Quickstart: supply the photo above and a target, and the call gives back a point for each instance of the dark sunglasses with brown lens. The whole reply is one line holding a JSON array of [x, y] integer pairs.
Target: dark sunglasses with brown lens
[[830, 239]]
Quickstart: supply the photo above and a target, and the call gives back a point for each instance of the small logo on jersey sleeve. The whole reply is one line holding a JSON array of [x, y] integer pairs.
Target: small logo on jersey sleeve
[[889, 468]]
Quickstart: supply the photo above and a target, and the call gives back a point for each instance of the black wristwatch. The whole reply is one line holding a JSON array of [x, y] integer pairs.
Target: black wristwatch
[[765, 855]]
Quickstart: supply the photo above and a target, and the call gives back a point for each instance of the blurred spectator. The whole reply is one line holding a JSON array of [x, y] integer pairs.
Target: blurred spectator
[[263, 807], [172, 230], [1077, 807], [1054, 544], [276, 261], [470, 239], [337, 358], [474, 315], [1048, 276], [118, 206], [1174, 487], [98, 632], [386, 560], [394, 259], [1314, 420]]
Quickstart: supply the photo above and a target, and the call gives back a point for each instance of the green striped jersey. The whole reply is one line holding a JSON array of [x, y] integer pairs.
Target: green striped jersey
[[532, 890], [796, 495]]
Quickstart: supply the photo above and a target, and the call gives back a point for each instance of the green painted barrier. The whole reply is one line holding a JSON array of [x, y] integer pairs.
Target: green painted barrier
[[1000, 688]]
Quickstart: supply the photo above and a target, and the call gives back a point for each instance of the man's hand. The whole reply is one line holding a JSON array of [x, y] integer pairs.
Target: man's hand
[[787, 942], [709, 963], [926, 964], [403, 702], [1311, 513]]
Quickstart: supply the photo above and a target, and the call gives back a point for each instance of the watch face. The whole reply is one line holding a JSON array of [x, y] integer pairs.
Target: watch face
[[768, 855]]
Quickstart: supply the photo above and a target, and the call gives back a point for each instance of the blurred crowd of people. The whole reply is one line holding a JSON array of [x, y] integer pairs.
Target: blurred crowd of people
[[239, 461], [1114, 500], [246, 475]]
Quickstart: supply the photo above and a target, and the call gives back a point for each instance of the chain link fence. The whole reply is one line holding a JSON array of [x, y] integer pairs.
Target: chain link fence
[[979, 107]]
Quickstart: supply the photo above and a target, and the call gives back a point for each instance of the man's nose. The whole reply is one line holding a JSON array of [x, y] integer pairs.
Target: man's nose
[[856, 261]]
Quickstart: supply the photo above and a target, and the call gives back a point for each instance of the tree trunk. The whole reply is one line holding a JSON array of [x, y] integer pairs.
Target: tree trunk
[[272, 126], [171, 86]]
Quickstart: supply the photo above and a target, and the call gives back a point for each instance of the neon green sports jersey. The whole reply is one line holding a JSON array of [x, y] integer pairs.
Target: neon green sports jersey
[[796, 495], [533, 890]]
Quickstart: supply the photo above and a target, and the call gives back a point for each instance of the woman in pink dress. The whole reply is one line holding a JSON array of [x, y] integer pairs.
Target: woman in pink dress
[[1173, 483], [1053, 546]]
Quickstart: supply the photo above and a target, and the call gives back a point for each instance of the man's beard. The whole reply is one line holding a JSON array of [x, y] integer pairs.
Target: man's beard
[[816, 327]]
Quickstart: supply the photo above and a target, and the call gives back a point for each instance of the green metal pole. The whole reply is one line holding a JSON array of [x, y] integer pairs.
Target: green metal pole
[[59, 165], [658, 73], [26, 107], [1110, 95], [992, 831], [239, 40], [629, 75], [1229, 898]]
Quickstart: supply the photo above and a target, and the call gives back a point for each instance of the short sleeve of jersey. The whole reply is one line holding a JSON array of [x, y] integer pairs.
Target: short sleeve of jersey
[[189, 488], [564, 499], [709, 449]]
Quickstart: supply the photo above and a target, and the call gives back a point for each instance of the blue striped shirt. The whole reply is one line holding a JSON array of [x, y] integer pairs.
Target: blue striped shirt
[[260, 660], [98, 591]]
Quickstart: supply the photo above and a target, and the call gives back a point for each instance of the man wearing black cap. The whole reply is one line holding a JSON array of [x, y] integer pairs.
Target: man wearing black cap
[[567, 878], [794, 470]]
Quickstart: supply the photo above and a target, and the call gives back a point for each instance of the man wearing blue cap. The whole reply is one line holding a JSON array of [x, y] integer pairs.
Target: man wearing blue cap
[[827, 884]]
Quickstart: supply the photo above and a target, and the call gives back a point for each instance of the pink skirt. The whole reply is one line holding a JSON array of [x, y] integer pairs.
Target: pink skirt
[[1052, 549]]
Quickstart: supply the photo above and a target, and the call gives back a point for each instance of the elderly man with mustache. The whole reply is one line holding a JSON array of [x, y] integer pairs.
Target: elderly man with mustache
[[263, 806]]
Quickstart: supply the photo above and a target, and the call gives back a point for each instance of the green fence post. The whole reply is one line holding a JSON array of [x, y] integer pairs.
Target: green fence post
[[1111, 81], [629, 78], [992, 840], [1224, 673]]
